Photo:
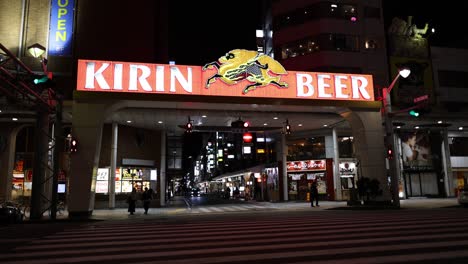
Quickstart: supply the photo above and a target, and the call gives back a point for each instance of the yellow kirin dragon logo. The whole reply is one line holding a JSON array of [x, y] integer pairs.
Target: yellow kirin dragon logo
[[239, 64]]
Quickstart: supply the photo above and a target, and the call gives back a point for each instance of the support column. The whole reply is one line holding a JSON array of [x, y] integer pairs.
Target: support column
[[368, 140], [8, 135], [113, 165], [336, 166], [88, 120], [284, 157], [447, 166], [162, 174], [38, 192]]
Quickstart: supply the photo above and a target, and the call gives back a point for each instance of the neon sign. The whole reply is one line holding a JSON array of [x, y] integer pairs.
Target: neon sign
[[126, 77], [61, 27]]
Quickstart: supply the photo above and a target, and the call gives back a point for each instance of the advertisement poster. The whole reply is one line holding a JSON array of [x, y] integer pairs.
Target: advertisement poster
[[416, 150]]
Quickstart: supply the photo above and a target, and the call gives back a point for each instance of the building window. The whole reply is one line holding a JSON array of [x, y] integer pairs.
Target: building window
[[453, 79], [174, 153], [306, 148], [458, 146], [372, 12], [370, 44], [346, 147], [316, 11], [336, 42]]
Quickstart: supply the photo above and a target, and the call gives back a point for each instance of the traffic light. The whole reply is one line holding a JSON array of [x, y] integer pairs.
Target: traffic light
[[389, 152], [239, 124], [44, 81], [188, 127], [287, 128], [73, 145], [414, 113]]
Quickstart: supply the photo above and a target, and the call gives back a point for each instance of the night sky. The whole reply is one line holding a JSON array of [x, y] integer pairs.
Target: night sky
[[211, 28]]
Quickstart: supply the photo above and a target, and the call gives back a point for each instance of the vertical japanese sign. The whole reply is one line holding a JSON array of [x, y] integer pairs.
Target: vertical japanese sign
[[61, 27]]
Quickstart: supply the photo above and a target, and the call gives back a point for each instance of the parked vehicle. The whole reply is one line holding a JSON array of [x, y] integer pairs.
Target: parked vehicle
[[463, 197], [10, 213]]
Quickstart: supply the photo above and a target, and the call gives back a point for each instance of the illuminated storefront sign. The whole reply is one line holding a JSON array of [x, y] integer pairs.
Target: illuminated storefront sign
[[306, 165], [251, 79], [348, 169], [61, 27]]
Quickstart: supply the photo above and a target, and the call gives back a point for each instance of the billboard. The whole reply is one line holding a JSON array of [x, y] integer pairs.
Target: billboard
[[416, 150], [239, 73]]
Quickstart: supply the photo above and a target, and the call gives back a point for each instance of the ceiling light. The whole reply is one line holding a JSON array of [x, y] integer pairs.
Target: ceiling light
[[398, 127], [275, 118], [439, 122], [299, 125], [417, 127], [204, 116], [129, 121], [265, 124], [14, 119], [160, 122], [460, 128], [325, 125]]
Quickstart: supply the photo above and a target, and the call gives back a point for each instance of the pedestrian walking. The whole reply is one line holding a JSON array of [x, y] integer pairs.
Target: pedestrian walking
[[146, 197], [314, 194], [131, 200]]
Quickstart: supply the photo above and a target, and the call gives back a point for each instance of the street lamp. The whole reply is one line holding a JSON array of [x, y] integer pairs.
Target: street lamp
[[37, 50], [389, 134]]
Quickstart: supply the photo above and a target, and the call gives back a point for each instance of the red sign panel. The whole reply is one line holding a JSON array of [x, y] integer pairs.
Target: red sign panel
[[306, 165], [256, 81]]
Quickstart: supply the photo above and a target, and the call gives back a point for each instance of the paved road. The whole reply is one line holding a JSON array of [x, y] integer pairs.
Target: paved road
[[318, 236]]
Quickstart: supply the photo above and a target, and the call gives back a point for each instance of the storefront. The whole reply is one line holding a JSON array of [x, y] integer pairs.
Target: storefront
[[348, 177], [301, 174]]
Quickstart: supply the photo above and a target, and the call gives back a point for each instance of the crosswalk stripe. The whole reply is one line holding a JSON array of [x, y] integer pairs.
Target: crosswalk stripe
[[324, 237]]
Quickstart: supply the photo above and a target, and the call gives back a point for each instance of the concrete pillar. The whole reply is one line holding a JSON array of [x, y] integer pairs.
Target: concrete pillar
[[447, 166], [370, 151], [113, 165], [8, 135], [162, 171], [88, 120], [336, 166], [284, 157]]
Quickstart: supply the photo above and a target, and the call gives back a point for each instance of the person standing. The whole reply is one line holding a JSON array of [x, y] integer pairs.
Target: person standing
[[146, 197], [131, 200], [314, 194]]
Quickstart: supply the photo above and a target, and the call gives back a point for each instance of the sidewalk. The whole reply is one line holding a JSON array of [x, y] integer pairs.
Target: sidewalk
[[178, 208]]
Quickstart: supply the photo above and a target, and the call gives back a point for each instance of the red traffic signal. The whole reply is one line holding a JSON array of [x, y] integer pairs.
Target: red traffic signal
[[389, 152], [188, 127], [73, 145]]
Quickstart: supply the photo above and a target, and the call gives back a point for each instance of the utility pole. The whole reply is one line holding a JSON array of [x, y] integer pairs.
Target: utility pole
[[390, 136]]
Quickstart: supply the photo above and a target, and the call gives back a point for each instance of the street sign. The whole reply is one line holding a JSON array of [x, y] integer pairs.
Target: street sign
[[421, 98]]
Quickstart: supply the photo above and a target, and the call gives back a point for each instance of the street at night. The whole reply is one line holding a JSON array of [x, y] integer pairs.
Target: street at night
[[285, 234]]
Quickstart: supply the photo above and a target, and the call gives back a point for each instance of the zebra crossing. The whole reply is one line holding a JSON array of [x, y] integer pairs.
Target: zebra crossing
[[229, 208], [419, 236]]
